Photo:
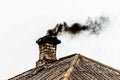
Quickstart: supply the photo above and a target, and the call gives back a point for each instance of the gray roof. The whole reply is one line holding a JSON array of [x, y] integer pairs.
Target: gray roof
[[73, 67]]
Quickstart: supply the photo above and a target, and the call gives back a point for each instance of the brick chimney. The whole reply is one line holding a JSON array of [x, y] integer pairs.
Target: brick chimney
[[47, 50]]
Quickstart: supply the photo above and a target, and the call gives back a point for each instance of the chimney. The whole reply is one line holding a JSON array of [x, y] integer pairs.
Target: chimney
[[47, 50]]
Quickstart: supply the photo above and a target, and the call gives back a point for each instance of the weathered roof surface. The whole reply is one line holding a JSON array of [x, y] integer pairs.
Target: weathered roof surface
[[74, 67]]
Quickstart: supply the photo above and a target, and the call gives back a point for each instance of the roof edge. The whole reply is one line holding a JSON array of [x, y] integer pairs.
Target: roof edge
[[23, 73], [102, 64], [67, 56]]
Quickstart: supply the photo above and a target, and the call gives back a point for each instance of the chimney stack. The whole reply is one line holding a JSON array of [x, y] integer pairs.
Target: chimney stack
[[47, 50]]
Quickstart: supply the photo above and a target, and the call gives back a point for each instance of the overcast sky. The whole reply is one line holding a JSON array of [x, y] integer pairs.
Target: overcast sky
[[22, 22]]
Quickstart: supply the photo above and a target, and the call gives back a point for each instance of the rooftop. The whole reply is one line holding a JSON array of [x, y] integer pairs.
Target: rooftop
[[73, 67]]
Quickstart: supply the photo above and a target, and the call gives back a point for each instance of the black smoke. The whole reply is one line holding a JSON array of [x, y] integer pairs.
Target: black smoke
[[93, 26]]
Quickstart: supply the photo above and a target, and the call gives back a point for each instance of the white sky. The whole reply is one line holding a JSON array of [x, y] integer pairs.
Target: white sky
[[22, 22]]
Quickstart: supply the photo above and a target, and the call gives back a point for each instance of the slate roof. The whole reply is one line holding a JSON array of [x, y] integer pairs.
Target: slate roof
[[73, 67]]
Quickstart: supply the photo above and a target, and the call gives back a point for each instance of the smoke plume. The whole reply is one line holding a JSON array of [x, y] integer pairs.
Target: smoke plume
[[93, 26]]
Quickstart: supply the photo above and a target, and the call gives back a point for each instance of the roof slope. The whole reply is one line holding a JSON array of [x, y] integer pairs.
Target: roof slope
[[74, 67]]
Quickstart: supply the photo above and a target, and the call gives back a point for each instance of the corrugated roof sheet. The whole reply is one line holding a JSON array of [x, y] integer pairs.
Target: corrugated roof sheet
[[74, 67]]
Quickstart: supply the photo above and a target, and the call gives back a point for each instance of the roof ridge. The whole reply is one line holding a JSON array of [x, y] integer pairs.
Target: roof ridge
[[67, 74]]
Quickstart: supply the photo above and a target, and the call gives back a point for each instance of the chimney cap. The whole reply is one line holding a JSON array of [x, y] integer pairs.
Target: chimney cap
[[48, 39]]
